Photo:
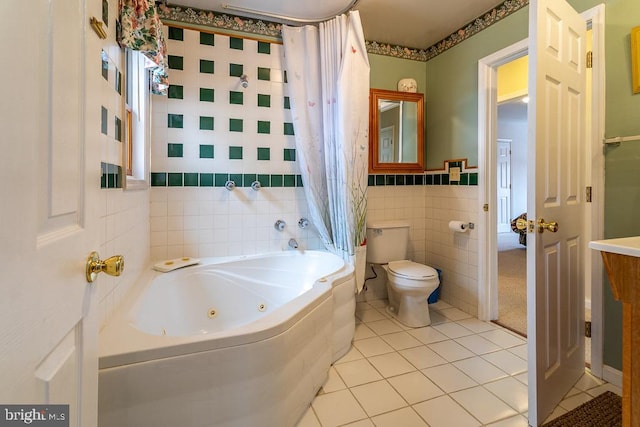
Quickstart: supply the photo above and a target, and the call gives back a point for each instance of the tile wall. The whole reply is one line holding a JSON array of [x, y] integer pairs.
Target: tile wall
[[211, 129], [428, 210], [123, 216]]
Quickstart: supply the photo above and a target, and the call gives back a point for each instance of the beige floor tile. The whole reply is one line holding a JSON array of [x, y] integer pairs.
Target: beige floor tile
[[445, 412], [340, 407], [508, 362], [422, 357], [401, 340], [477, 344], [386, 326], [415, 387], [449, 378], [405, 417], [483, 405], [372, 346], [309, 419], [391, 364], [480, 370], [451, 350], [357, 372], [378, 397], [512, 392], [428, 335]]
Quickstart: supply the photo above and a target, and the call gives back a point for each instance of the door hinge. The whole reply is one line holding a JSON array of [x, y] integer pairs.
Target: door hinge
[[590, 59], [588, 192], [587, 328], [485, 207]]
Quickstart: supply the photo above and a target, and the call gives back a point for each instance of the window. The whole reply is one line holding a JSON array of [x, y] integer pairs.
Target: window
[[137, 120]]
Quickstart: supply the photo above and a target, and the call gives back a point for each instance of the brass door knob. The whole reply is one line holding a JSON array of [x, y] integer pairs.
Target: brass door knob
[[113, 266], [551, 226]]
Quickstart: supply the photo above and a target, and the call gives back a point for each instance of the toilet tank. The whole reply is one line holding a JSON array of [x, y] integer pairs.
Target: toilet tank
[[387, 241]]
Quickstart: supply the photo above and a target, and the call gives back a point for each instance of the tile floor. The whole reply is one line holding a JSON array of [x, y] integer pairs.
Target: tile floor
[[457, 372]]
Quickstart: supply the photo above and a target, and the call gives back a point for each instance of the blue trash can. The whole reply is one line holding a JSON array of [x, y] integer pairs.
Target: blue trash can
[[435, 295]]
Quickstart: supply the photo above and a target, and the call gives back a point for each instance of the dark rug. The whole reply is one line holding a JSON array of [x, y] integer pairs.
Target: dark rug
[[604, 410]]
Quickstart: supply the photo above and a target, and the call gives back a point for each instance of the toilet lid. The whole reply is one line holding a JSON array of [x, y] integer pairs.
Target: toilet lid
[[412, 270]]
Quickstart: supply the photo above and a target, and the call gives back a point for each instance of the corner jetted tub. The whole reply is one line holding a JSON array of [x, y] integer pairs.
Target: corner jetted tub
[[243, 341]]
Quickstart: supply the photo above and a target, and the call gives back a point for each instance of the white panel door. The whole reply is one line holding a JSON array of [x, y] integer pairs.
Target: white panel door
[[50, 184], [504, 186], [555, 292]]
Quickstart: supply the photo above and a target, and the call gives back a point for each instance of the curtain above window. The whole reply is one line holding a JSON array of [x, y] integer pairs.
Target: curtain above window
[[141, 29]]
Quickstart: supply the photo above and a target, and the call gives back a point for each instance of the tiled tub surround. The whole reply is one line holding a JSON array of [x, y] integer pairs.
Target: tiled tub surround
[[211, 129], [205, 221]]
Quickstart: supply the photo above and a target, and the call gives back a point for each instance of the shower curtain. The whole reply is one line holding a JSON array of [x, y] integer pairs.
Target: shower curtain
[[328, 77]]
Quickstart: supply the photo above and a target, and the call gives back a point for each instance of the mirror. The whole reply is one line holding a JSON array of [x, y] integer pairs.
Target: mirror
[[396, 132]]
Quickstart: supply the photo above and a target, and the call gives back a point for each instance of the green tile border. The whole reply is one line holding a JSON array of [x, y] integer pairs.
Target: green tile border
[[381, 180], [468, 176], [194, 179]]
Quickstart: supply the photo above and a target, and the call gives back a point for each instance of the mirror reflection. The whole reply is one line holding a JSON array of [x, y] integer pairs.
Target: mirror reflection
[[396, 131]]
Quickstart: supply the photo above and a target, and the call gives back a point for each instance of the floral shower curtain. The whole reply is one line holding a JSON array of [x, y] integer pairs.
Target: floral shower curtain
[[328, 75], [141, 29]]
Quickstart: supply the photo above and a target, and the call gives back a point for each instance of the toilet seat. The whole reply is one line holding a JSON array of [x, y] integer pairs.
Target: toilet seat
[[412, 270]]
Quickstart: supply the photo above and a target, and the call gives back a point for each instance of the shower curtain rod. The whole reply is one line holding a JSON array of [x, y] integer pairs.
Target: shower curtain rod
[[259, 13]]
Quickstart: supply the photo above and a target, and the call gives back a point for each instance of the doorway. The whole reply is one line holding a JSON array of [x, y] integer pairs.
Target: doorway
[[511, 179], [488, 239]]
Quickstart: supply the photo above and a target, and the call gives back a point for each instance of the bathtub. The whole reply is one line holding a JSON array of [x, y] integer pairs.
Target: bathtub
[[230, 342]]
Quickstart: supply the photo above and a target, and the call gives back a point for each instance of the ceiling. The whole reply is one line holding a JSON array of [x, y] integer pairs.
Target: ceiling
[[409, 23]]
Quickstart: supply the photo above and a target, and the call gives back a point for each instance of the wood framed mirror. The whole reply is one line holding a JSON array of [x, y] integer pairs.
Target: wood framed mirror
[[396, 132]]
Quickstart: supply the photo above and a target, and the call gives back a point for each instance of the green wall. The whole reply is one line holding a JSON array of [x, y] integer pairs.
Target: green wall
[[386, 71], [452, 121], [452, 91], [622, 164]]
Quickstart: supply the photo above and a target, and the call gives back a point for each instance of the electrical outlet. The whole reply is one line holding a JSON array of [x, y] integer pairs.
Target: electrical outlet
[[454, 174]]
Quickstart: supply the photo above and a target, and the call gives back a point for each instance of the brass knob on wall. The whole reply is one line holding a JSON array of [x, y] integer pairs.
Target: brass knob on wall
[[113, 266]]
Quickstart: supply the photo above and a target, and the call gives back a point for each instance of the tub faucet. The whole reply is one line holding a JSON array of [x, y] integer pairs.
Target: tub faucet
[[293, 244]]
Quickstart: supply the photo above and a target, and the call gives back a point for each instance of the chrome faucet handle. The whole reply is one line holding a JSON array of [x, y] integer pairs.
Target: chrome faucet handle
[[279, 225], [303, 223], [255, 185], [230, 185]]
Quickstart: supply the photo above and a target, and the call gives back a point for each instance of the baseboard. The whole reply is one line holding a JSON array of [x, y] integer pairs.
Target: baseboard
[[612, 376]]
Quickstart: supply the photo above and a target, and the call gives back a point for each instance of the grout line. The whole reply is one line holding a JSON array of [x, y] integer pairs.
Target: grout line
[[365, 306]]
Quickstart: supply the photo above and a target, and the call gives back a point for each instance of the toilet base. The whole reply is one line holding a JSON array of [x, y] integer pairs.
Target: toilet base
[[412, 312]]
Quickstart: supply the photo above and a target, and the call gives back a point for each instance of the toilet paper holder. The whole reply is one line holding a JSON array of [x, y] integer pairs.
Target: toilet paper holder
[[461, 226]]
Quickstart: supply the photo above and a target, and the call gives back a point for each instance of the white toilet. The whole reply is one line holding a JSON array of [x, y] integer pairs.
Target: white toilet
[[409, 284]]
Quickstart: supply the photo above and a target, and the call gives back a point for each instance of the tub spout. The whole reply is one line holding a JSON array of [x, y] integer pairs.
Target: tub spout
[[293, 244]]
